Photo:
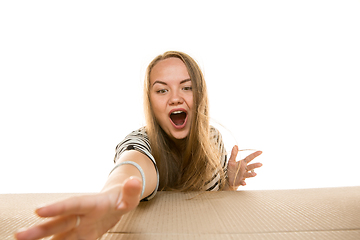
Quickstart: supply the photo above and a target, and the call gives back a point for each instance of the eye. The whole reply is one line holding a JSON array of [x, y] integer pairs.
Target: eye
[[189, 88], [162, 91]]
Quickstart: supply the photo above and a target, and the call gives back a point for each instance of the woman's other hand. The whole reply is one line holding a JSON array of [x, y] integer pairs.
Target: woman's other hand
[[239, 171], [85, 217]]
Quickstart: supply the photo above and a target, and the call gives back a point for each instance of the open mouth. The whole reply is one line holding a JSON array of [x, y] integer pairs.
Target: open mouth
[[178, 117]]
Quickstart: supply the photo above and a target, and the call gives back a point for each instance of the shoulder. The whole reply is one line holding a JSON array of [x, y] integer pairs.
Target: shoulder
[[137, 140], [137, 135], [215, 134], [141, 132]]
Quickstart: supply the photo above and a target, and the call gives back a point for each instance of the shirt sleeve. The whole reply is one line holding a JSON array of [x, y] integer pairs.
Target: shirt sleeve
[[215, 183], [217, 137], [139, 141]]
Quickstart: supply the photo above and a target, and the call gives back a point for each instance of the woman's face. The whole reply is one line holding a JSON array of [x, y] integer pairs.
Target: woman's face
[[171, 97]]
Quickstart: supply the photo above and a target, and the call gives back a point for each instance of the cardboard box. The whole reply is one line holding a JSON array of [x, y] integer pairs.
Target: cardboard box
[[328, 213]]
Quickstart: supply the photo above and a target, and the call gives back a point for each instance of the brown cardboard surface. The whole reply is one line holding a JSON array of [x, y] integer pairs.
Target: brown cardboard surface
[[17, 210], [281, 214], [328, 235], [329, 213]]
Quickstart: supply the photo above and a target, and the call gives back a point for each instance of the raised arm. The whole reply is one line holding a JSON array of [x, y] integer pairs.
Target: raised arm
[[90, 216]]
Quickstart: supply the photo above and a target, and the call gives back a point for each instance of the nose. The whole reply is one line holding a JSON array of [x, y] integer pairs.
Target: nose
[[175, 98]]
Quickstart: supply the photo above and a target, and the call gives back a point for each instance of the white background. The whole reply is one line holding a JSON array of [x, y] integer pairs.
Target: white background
[[283, 77]]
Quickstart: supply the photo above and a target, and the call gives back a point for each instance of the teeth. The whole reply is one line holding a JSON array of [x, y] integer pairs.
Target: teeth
[[176, 112]]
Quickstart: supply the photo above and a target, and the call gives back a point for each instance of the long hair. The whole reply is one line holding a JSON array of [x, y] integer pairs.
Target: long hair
[[193, 166]]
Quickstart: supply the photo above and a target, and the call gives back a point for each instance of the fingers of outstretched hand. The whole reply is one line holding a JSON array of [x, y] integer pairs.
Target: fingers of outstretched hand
[[253, 166], [74, 205], [130, 196], [65, 235], [250, 170], [252, 156], [242, 183], [250, 174], [56, 225], [234, 153]]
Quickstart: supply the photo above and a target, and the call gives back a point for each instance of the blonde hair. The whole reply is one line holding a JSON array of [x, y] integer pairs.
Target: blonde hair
[[193, 166]]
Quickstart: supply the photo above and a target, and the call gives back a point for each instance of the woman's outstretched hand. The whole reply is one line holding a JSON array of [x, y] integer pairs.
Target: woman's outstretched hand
[[239, 171], [85, 217]]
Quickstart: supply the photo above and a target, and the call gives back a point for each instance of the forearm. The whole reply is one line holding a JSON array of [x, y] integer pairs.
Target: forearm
[[123, 172], [115, 180]]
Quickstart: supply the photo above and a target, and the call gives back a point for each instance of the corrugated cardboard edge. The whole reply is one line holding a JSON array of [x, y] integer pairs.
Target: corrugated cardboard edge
[[329, 213], [295, 213]]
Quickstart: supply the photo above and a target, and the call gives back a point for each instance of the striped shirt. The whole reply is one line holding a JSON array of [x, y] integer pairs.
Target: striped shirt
[[138, 140]]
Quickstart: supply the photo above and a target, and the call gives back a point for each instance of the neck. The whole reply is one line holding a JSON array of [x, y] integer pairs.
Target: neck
[[180, 143]]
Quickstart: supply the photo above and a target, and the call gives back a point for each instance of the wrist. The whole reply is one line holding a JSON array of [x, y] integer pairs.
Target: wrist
[[229, 186], [112, 189]]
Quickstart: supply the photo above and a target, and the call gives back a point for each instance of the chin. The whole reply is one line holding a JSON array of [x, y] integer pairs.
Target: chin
[[180, 135]]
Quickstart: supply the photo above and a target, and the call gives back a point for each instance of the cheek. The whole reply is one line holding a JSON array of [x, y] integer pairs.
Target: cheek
[[157, 106], [190, 101]]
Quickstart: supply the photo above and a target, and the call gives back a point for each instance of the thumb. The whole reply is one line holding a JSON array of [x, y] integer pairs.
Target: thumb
[[130, 196], [234, 153]]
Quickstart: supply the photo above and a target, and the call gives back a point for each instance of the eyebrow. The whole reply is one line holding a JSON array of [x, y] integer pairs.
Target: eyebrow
[[164, 83]]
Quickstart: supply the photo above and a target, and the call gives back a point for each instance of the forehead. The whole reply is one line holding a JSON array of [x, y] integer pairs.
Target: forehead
[[170, 69]]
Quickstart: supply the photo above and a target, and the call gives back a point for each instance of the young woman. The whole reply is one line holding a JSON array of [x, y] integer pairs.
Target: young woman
[[176, 150]]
